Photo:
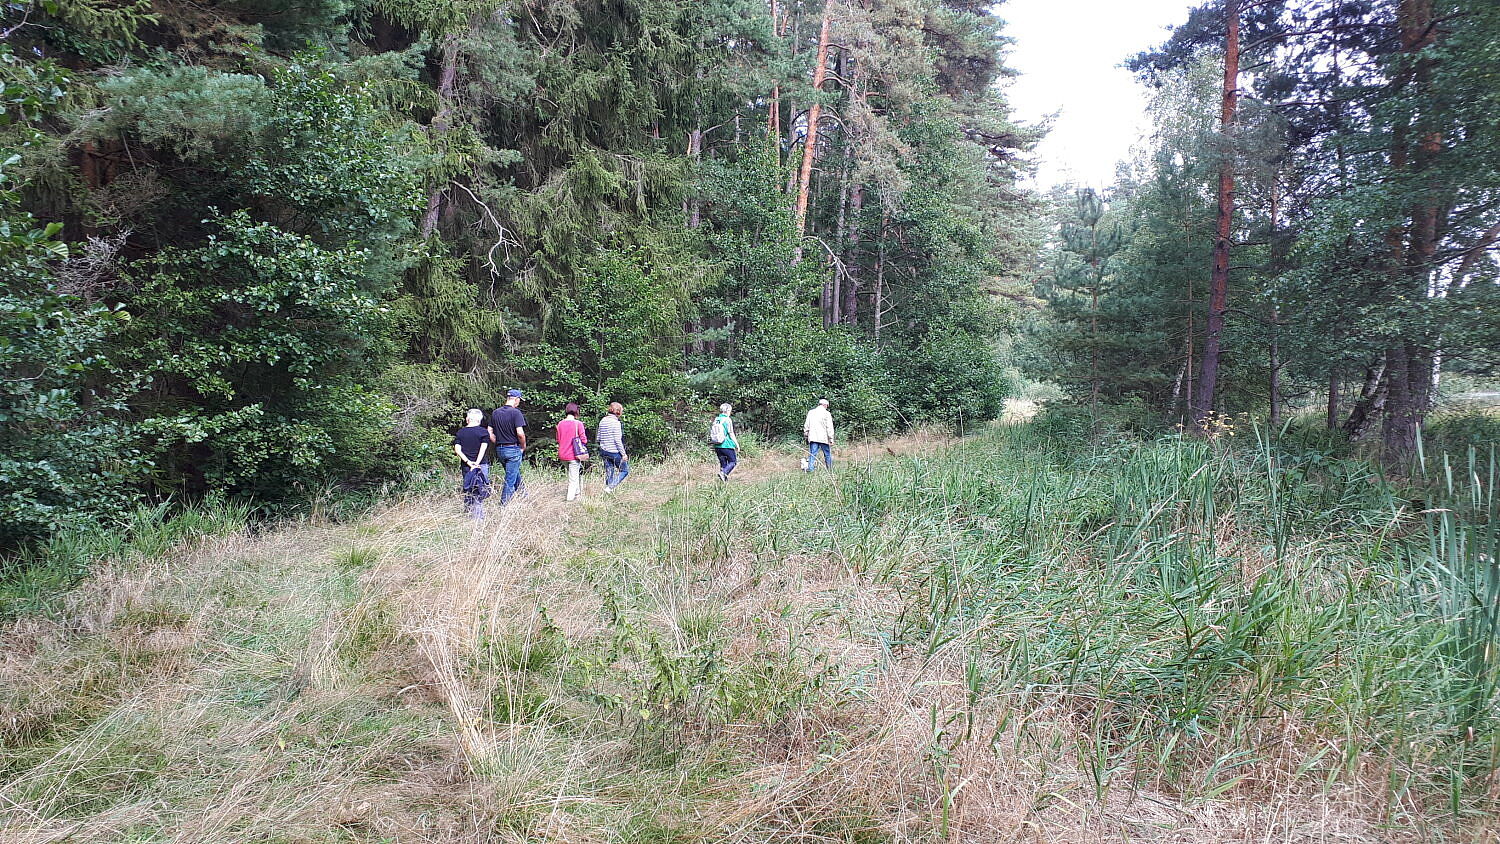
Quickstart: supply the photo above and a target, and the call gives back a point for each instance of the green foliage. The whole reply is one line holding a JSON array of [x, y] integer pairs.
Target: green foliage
[[443, 316], [616, 338], [953, 377], [335, 227], [261, 347], [788, 364], [1455, 433], [196, 113], [329, 165], [780, 359], [66, 457], [28, 90], [1362, 227]]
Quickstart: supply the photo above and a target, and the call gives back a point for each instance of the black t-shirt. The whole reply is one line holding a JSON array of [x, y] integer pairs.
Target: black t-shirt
[[505, 420], [471, 438]]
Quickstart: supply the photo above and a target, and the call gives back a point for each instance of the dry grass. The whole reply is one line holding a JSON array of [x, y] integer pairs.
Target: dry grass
[[611, 670]]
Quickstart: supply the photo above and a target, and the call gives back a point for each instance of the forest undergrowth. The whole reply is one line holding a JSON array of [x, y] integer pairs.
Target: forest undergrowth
[[1004, 637]]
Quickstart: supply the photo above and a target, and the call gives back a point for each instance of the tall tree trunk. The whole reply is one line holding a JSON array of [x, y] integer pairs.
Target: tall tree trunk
[[1370, 404], [791, 142], [1276, 264], [773, 114], [1409, 360], [1333, 401], [1398, 434], [692, 209], [814, 112], [833, 287], [1218, 289], [1190, 338], [850, 309], [441, 123]]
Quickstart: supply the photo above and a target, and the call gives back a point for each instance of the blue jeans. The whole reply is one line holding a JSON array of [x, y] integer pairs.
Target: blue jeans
[[616, 467], [510, 455], [728, 457], [812, 455], [476, 490]]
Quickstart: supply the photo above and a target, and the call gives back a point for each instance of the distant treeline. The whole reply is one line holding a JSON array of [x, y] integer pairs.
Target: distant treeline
[[1313, 223]]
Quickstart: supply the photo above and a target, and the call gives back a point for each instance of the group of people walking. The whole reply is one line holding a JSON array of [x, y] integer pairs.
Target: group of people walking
[[502, 437]]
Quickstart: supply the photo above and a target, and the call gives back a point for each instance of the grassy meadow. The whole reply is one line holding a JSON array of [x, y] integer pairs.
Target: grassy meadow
[[1008, 637]]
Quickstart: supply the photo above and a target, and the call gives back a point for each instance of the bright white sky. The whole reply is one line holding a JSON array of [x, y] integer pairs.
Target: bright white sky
[[1068, 53]]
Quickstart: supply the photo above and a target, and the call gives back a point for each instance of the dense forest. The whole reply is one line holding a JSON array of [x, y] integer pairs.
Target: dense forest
[[255, 250]]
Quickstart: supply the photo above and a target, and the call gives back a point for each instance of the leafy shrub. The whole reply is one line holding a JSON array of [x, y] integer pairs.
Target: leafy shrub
[[952, 376], [618, 337], [66, 456], [261, 347], [789, 363], [65, 460]]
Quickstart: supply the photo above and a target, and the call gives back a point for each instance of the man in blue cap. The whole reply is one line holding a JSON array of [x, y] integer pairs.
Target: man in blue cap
[[510, 442]]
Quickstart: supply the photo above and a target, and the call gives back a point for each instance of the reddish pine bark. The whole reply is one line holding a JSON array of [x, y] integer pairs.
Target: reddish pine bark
[[814, 112], [1218, 287]]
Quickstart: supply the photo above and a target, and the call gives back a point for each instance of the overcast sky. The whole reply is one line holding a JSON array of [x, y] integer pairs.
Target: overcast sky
[[1068, 53]]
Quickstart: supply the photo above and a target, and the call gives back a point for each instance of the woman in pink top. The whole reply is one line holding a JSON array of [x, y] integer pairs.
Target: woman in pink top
[[568, 430]]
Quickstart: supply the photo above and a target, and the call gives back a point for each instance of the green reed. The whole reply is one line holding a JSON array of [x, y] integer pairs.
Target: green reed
[[1186, 601]]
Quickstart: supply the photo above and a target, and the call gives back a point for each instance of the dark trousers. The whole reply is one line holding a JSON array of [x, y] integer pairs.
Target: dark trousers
[[728, 457], [476, 490], [616, 467]]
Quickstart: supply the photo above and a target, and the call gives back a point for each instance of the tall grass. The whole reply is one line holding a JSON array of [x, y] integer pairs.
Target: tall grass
[[1213, 619], [39, 573], [1013, 637]]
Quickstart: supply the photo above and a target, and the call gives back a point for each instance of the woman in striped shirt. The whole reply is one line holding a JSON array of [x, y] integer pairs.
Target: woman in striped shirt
[[612, 447]]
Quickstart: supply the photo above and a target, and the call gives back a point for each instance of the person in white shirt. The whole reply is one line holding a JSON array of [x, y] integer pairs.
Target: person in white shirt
[[819, 432]]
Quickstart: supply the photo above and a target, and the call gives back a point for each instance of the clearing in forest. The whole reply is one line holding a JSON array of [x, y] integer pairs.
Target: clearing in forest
[[976, 640]]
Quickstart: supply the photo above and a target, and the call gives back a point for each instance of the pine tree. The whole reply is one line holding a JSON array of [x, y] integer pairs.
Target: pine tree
[[1079, 281]]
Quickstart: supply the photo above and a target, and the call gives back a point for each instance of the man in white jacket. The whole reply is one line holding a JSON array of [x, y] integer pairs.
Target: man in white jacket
[[819, 432]]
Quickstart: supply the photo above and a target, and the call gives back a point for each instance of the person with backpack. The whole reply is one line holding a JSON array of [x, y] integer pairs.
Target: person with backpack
[[721, 434], [612, 447], [470, 445], [509, 427], [819, 432], [572, 437]]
